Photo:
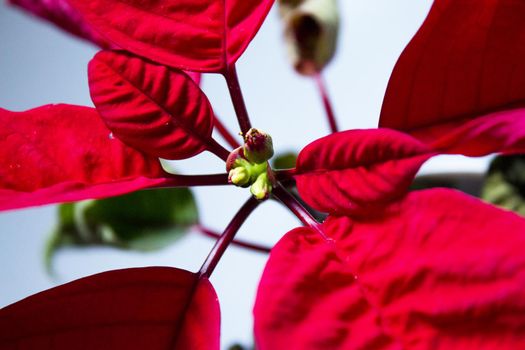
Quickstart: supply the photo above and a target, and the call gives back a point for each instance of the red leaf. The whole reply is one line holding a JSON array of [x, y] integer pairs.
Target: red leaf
[[150, 107], [466, 61], [440, 270], [496, 132], [142, 308], [353, 171], [63, 15], [58, 153], [202, 35], [195, 76]]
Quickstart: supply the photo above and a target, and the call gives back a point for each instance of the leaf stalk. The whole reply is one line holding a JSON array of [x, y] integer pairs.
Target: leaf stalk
[[230, 74], [227, 237], [321, 87]]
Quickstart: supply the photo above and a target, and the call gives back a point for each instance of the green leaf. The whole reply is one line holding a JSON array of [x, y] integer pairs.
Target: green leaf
[[505, 183], [284, 161], [143, 221]]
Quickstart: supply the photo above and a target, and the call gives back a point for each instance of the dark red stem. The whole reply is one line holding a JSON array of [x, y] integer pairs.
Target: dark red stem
[[227, 237], [230, 74], [225, 133], [217, 149], [326, 102], [280, 193], [237, 242], [175, 180]]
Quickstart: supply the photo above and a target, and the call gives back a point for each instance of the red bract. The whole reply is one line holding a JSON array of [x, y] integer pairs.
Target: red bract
[[431, 272], [201, 35], [61, 13], [465, 62], [496, 132], [436, 270], [58, 153], [144, 308], [353, 171], [150, 107]]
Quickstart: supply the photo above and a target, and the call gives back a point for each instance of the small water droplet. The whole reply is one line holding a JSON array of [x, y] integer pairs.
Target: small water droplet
[[111, 136]]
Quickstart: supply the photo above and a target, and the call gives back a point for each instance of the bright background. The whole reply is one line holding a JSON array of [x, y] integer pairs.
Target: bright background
[[39, 64]]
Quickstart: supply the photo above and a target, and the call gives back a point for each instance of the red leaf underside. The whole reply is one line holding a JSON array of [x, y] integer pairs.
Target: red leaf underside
[[151, 107], [142, 308], [61, 153], [62, 14], [466, 61], [354, 171], [492, 133], [200, 35], [438, 270]]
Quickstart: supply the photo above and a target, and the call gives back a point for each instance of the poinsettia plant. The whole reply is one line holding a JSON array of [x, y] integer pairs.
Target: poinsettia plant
[[374, 266]]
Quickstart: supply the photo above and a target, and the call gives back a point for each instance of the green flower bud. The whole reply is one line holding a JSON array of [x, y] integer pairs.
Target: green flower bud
[[310, 30], [262, 187], [248, 165], [235, 159], [258, 146], [239, 176]]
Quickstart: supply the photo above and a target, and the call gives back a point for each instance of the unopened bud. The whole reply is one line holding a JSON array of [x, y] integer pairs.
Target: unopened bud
[[310, 29], [239, 176], [235, 159], [258, 146], [262, 187]]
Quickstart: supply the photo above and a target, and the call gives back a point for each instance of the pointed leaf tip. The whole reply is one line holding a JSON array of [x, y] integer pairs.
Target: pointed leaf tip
[[150, 107], [355, 171]]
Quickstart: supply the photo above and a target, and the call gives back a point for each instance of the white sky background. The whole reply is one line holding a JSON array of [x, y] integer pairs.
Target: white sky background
[[39, 64]]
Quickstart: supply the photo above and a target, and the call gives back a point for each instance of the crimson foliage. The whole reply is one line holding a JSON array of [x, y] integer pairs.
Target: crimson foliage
[[388, 269]]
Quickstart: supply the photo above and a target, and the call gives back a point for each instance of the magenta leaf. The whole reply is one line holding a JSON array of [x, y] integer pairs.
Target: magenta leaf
[[151, 107], [201, 35], [438, 270], [353, 171], [59, 153], [466, 62], [492, 133], [141, 308], [61, 13]]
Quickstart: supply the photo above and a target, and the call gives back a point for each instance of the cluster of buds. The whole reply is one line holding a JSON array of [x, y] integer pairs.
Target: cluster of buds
[[247, 165]]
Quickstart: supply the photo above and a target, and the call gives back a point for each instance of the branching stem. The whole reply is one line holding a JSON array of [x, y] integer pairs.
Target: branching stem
[[176, 180], [326, 102], [297, 209], [234, 88], [252, 246], [217, 149], [225, 133], [227, 237]]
